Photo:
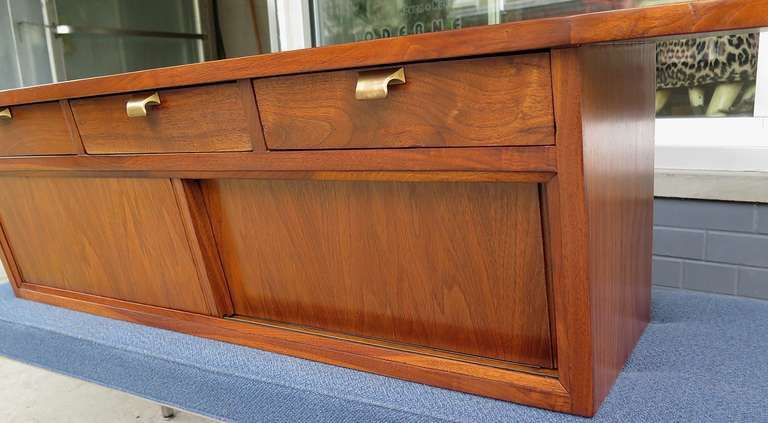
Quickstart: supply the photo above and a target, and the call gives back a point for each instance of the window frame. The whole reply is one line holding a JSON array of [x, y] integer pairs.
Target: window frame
[[733, 144]]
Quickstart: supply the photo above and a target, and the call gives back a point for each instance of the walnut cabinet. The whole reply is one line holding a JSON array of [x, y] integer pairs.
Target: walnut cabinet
[[475, 219]]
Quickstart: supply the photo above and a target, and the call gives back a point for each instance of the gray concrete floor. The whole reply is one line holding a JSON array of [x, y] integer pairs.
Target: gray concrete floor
[[31, 395]]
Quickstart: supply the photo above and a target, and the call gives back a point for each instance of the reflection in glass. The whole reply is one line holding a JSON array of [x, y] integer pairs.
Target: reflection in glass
[[56, 40], [517, 10], [343, 21], [101, 40], [23, 51], [708, 76]]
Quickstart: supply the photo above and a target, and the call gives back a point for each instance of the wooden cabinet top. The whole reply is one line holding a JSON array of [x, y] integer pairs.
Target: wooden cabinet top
[[625, 23]]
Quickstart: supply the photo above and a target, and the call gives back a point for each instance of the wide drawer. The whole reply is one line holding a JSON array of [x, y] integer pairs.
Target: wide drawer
[[496, 101], [35, 129], [194, 119]]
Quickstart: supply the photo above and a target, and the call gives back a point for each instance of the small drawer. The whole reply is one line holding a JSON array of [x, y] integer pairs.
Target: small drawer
[[187, 120], [35, 129], [497, 101]]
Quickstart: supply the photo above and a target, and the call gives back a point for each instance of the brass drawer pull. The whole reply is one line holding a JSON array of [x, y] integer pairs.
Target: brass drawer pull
[[6, 113], [138, 108], [372, 85]]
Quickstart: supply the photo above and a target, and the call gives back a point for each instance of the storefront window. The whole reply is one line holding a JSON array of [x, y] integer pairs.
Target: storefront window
[[343, 21], [708, 76]]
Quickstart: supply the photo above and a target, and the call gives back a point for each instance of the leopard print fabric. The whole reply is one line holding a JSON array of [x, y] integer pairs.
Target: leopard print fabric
[[698, 61]]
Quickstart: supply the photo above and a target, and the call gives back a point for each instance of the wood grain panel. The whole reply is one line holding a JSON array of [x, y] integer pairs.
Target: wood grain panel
[[452, 266], [207, 165], [74, 133], [618, 118], [629, 22], [566, 212], [521, 387], [464, 103], [9, 263], [36, 129], [203, 246], [252, 115], [195, 119], [114, 237], [600, 205]]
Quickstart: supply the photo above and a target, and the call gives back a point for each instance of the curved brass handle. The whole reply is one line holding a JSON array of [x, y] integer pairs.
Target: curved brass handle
[[6, 113], [372, 85], [138, 108]]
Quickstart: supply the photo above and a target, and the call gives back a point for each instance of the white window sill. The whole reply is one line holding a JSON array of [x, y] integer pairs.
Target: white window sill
[[712, 173], [717, 158], [712, 158], [721, 185]]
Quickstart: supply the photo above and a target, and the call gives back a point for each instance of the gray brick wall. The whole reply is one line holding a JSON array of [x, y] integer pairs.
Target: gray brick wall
[[711, 246]]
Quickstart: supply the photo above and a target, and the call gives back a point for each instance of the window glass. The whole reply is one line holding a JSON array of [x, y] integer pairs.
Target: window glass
[[105, 37], [343, 21], [56, 40], [708, 76]]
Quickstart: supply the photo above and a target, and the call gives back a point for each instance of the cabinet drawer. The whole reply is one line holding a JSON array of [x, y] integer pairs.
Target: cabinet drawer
[[187, 120], [496, 101], [35, 129]]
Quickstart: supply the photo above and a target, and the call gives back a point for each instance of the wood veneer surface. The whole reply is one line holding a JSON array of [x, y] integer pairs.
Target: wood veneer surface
[[114, 237], [535, 159], [454, 266], [600, 206], [618, 105], [462, 103], [195, 119], [36, 129]]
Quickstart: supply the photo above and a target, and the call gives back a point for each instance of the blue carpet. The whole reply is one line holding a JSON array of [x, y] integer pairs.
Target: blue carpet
[[704, 358]]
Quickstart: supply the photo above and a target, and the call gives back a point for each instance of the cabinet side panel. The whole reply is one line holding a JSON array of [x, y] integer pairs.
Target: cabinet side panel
[[618, 89], [566, 215]]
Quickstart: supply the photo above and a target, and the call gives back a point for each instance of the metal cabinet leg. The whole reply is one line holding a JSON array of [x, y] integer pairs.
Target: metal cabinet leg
[[167, 412]]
